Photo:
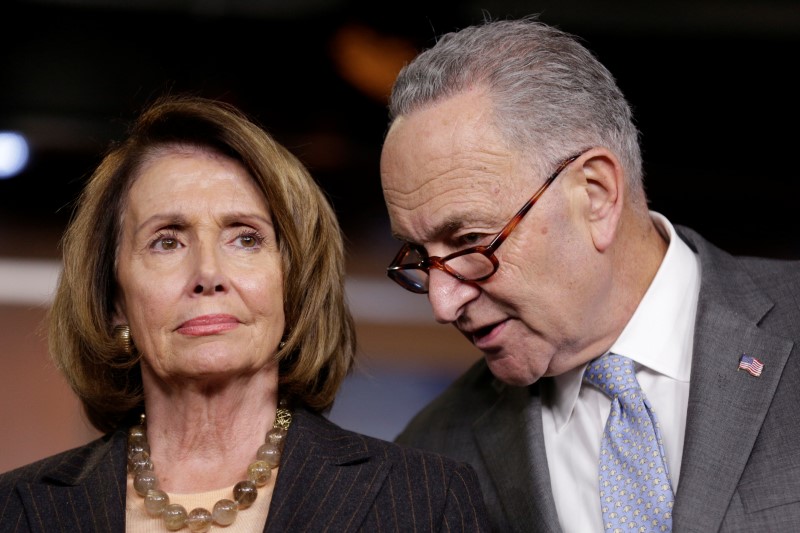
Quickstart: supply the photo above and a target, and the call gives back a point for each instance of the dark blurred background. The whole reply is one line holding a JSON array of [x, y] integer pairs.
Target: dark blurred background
[[711, 83]]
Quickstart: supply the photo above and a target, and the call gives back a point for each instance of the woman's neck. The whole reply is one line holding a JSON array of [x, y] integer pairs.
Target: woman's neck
[[204, 434]]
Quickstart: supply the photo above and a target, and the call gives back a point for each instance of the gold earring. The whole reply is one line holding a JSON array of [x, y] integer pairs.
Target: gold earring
[[122, 336]]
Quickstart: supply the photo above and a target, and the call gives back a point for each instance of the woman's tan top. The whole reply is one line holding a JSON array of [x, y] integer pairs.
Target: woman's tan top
[[254, 518]]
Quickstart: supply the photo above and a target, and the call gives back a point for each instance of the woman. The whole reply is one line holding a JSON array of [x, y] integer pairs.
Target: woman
[[200, 309]]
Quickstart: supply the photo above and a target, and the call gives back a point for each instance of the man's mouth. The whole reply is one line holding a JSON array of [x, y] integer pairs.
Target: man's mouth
[[483, 337]]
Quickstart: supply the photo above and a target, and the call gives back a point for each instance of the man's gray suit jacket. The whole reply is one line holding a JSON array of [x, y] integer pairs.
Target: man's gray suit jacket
[[330, 480], [741, 458]]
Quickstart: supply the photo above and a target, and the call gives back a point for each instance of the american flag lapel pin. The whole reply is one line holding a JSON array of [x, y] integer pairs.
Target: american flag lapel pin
[[751, 364]]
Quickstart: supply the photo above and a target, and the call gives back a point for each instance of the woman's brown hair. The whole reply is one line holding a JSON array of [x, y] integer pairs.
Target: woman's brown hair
[[319, 339]]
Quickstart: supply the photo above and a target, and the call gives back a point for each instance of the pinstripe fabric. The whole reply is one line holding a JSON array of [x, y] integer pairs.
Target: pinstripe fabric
[[330, 480], [334, 480], [82, 490]]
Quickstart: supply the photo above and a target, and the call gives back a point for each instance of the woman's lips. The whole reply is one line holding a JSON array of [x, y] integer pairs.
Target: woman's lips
[[208, 325]]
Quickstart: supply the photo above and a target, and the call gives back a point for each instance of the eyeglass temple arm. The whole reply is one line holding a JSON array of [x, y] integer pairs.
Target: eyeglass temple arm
[[500, 237]]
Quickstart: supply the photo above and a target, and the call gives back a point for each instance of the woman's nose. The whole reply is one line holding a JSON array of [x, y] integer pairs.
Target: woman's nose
[[200, 288], [210, 275]]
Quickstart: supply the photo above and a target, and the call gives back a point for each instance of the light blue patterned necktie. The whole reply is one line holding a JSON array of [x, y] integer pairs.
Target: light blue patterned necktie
[[635, 488]]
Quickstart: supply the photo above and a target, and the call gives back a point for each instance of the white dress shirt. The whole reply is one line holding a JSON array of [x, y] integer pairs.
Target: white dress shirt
[[659, 339]]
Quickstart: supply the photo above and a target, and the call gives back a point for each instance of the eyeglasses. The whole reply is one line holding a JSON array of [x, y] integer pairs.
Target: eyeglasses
[[412, 265]]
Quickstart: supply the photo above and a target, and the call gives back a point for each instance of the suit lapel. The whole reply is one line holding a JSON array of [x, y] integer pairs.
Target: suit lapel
[[726, 406], [328, 478], [510, 439], [85, 492]]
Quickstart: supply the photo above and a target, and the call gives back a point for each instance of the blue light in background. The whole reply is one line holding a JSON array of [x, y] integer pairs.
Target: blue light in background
[[13, 154]]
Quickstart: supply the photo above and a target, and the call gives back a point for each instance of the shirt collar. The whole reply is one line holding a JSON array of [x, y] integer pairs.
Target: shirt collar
[[660, 333]]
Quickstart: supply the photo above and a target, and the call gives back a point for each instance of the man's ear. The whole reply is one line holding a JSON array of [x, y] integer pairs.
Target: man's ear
[[604, 183]]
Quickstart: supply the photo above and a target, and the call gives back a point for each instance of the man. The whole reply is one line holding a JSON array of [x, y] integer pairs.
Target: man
[[582, 291]]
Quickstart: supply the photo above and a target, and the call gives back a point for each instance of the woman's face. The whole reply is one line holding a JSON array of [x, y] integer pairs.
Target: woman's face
[[198, 268]]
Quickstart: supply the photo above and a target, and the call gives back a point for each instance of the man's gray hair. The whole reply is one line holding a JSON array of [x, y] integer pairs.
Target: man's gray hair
[[551, 96]]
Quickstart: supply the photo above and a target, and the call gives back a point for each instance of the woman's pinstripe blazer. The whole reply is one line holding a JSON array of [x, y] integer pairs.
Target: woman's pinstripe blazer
[[330, 480]]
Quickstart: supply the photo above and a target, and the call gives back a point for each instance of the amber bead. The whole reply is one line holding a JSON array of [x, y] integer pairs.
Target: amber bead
[[270, 454], [276, 436], [143, 481], [136, 448], [224, 512], [199, 520], [259, 473], [140, 461], [136, 431], [174, 516], [155, 501], [245, 493]]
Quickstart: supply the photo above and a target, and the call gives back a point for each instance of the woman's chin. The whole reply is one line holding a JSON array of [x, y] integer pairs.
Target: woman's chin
[[214, 369]]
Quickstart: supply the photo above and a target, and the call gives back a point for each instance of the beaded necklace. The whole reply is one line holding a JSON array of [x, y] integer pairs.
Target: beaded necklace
[[156, 501]]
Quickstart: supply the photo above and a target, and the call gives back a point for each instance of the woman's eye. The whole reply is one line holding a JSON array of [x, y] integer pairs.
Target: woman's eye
[[249, 240], [169, 244], [165, 243]]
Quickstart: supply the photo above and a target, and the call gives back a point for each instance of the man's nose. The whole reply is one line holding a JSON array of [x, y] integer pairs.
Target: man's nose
[[449, 296]]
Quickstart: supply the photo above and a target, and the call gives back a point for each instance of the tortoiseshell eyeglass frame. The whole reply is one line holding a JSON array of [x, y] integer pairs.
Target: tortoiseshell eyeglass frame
[[396, 270]]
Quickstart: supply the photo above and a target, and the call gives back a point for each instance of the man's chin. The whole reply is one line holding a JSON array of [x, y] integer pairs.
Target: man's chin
[[508, 370]]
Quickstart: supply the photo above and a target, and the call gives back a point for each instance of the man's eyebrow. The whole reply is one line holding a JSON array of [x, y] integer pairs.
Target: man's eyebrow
[[444, 228], [447, 227]]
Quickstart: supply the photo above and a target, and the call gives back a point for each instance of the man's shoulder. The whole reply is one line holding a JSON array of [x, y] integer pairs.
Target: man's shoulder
[[762, 290], [777, 277], [765, 267]]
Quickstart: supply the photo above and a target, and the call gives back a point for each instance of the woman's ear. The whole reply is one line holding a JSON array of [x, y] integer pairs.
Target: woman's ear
[[604, 183], [119, 317]]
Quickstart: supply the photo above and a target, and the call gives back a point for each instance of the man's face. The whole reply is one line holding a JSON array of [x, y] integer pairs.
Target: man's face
[[450, 181]]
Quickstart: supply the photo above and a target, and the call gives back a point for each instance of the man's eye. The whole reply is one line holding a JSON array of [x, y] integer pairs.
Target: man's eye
[[471, 239]]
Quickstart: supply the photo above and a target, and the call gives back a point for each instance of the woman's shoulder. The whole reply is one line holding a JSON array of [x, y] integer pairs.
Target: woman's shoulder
[[59, 467], [375, 478], [347, 443]]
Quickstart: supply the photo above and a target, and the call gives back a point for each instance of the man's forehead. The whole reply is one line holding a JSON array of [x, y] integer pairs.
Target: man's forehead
[[445, 205], [445, 167], [429, 164]]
